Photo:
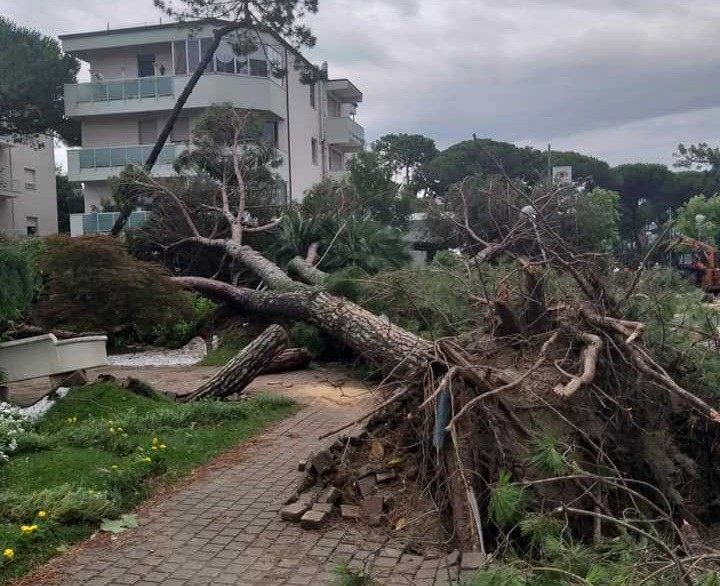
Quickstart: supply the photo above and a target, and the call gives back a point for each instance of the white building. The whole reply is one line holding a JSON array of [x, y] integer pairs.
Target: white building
[[137, 74], [28, 196]]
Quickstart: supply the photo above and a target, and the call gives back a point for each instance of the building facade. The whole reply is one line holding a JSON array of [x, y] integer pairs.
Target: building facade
[[138, 73], [28, 195]]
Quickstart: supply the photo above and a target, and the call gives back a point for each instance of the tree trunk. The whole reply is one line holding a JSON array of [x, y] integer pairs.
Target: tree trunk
[[251, 361], [306, 272], [288, 360], [391, 348]]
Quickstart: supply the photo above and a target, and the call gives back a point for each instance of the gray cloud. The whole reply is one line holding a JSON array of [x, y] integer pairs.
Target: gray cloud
[[622, 79]]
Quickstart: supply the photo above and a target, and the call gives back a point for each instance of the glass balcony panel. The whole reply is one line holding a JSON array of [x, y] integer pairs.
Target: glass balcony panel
[[84, 93], [132, 89], [99, 92], [167, 155], [135, 155], [148, 87], [90, 224], [87, 158], [117, 157], [164, 86], [102, 157], [106, 220], [115, 90]]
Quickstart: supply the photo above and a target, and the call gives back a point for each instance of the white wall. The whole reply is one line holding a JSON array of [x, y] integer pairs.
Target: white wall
[[121, 62], [40, 203], [304, 125]]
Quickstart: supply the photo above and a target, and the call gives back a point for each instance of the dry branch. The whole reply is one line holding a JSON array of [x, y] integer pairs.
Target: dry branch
[[591, 354]]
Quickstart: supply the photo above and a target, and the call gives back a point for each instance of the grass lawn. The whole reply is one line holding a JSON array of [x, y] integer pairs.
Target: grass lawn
[[100, 451], [231, 342]]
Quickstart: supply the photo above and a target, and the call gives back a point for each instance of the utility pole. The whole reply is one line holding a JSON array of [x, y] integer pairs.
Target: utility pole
[[549, 165]]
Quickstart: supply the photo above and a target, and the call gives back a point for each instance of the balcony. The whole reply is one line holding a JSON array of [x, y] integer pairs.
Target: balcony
[[102, 222], [152, 94], [10, 187], [345, 133], [99, 164]]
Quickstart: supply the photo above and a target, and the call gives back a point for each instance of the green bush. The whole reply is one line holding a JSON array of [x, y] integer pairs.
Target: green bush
[[94, 284], [16, 285], [64, 503]]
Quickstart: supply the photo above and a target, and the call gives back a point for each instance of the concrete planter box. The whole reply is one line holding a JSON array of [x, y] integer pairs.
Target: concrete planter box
[[45, 355]]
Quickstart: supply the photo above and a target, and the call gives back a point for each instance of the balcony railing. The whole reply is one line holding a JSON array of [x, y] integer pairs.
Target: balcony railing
[[344, 130], [126, 89], [10, 187], [121, 156], [102, 222]]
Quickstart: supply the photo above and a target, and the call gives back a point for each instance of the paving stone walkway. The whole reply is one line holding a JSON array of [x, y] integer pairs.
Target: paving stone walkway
[[224, 527]]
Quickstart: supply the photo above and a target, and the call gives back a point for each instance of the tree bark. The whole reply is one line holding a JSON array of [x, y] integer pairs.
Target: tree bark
[[288, 360], [242, 370], [391, 348], [306, 272]]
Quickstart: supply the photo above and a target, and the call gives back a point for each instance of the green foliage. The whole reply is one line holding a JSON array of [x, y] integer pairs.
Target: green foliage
[[346, 576], [352, 240], [545, 455], [33, 72], [598, 220], [699, 156], [507, 501], [176, 335], [16, 285], [406, 153], [709, 229], [499, 575], [432, 301], [69, 200], [94, 284], [65, 503]]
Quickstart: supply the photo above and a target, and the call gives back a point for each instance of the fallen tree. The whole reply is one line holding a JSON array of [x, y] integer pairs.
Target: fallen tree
[[631, 449]]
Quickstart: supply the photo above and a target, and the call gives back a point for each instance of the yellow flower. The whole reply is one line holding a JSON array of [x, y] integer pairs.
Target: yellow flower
[[28, 528], [114, 466], [8, 553], [112, 430], [163, 446], [147, 459], [74, 418], [155, 440], [42, 514], [120, 429], [69, 419], [154, 448]]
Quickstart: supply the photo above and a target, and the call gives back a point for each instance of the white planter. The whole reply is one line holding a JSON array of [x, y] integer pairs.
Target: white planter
[[45, 355]]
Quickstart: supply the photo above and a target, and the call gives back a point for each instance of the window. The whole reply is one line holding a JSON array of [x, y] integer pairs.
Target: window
[[312, 95], [146, 65], [147, 130], [314, 150], [30, 179], [270, 133], [31, 226], [204, 47], [193, 54], [276, 64], [181, 130], [180, 52], [258, 67]]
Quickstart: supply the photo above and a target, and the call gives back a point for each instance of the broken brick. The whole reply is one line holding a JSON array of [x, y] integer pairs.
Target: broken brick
[[365, 485], [293, 512], [313, 520], [331, 495], [322, 462], [349, 512]]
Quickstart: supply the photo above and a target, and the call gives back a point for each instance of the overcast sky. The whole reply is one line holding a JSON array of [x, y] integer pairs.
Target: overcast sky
[[624, 80]]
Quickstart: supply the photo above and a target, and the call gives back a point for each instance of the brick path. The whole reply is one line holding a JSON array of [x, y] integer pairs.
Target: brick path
[[224, 528]]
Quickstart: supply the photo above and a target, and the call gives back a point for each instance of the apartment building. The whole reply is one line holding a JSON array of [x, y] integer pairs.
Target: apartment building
[[137, 74], [28, 196]]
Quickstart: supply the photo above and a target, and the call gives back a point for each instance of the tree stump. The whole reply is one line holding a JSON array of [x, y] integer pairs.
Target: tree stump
[[242, 370]]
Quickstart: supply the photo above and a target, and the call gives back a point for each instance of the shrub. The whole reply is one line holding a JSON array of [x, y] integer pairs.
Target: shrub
[[16, 286], [12, 423], [94, 284]]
